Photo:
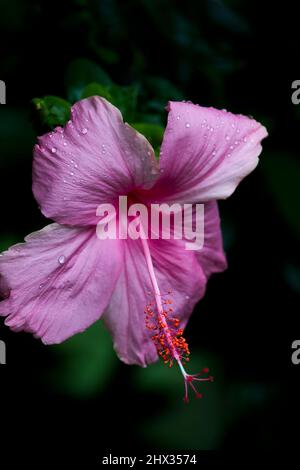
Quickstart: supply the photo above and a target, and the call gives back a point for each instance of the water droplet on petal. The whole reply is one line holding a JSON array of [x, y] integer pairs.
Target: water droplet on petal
[[53, 150], [187, 124], [177, 117], [65, 143], [245, 139], [61, 259], [84, 130], [227, 137]]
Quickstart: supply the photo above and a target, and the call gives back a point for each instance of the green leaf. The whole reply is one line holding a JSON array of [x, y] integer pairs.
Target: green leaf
[[6, 241], [163, 91], [95, 89], [125, 99], [84, 363], [80, 73], [50, 111], [282, 173], [153, 132]]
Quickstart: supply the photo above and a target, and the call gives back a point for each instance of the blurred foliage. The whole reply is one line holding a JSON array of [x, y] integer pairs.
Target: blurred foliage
[[185, 420], [51, 111], [282, 172], [79, 74], [84, 363]]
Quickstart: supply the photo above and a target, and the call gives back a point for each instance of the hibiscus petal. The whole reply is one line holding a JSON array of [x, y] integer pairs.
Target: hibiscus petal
[[59, 282], [176, 269], [212, 257], [94, 159], [206, 153]]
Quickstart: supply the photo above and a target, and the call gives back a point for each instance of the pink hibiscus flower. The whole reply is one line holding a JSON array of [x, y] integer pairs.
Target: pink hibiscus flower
[[63, 278]]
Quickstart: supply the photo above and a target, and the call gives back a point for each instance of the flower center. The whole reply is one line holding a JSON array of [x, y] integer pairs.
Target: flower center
[[165, 330]]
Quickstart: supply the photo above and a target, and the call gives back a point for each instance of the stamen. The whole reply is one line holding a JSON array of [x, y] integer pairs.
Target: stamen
[[165, 330]]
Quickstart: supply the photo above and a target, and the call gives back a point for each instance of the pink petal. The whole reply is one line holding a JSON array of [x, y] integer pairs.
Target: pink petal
[[59, 282], [212, 257], [94, 159], [206, 153], [176, 269]]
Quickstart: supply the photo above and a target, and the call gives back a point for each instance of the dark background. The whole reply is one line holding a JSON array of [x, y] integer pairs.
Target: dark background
[[239, 55]]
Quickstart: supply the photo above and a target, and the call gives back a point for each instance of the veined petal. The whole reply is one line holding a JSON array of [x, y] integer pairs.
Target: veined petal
[[206, 153], [59, 282], [91, 161], [176, 269], [212, 257]]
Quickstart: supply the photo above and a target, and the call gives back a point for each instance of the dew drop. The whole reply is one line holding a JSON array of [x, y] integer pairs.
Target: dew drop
[[65, 144], [177, 117], [227, 137], [53, 150], [187, 124], [245, 139], [61, 259], [84, 130]]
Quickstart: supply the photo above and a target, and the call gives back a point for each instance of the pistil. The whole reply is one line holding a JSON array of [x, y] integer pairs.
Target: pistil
[[165, 329]]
